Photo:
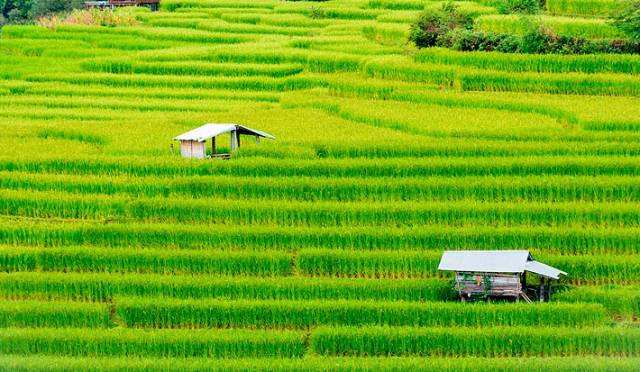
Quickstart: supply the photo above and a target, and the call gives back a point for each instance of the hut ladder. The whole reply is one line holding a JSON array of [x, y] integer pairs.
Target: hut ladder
[[526, 298]]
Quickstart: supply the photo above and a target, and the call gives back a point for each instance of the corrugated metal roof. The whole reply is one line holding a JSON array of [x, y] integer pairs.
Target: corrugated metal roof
[[543, 270], [484, 261], [208, 131], [506, 261]]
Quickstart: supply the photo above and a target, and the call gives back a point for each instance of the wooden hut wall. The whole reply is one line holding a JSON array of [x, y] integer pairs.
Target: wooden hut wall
[[490, 284], [193, 149]]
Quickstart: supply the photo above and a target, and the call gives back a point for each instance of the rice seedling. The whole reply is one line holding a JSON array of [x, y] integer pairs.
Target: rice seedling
[[316, 363], [582, 7], [173, 5], [157, 343], [499, 188], [396, 4], [361, 167], [494, 342], [119, 208], [620, 301], [104, 287], [164, 313], [538, 63], [565, 240], [571, 26], [144, 261], [565, 84], [33, 313], [376, 264], [193, 68]]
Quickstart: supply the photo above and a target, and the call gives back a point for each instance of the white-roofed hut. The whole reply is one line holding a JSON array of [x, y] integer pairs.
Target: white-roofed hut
[[503, 273], [193, 144]]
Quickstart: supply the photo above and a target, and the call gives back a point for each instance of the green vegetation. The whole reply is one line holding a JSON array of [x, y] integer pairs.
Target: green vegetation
[[453, 28], [628, 19], [160, 313], [152, 343], [44, 363], [495, 342], [317, 251]]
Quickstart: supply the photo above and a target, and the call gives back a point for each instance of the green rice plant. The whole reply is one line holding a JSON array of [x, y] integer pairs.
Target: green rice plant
[[476, 149], [164, 313], [612, 126], [404, 264], [316, 363], [133, 34], [173, 5], [568, 83], [398, 68], [144, 261], [245, 29], [115, 104], [501, 188], [72, 136], [152, 343], [532, 63], [493, 342], [104, 287], [317, 61], [620, 301], [192, 68], [173, 94], [565, 240], [476, 80], [396, 4], [361, 168], [33, 313], [390, 264], [569, 26], [401, 16], [597, 268], [119, 208], [150, 80], [601, 8], [289, 20]]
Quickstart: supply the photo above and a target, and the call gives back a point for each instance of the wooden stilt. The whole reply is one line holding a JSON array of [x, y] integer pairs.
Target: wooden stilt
[[234, 140]]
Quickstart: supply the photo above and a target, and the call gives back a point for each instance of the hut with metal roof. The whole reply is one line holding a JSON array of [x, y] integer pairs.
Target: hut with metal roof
[[503, 273], [193, 143]]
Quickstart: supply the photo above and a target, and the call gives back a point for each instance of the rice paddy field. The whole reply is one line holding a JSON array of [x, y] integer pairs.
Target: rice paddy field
[[317, 251]]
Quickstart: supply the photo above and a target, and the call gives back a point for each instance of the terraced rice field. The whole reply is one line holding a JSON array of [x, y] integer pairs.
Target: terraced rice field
[[319, 250]]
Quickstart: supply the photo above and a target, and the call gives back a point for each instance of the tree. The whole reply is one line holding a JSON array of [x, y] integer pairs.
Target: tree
[[16, 10], [43, 7]]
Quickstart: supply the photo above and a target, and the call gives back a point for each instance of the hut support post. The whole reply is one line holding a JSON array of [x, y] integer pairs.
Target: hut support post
[[541, 290], [234, 140], [213, 145]]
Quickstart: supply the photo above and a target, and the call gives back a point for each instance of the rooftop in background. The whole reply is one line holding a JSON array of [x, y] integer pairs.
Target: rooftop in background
[[208, 131], [506, 261]]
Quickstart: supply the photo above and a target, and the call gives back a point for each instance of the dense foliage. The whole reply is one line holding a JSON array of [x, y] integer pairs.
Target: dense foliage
[[451, 28], [18, 11], [519, 6], [430, 31]]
